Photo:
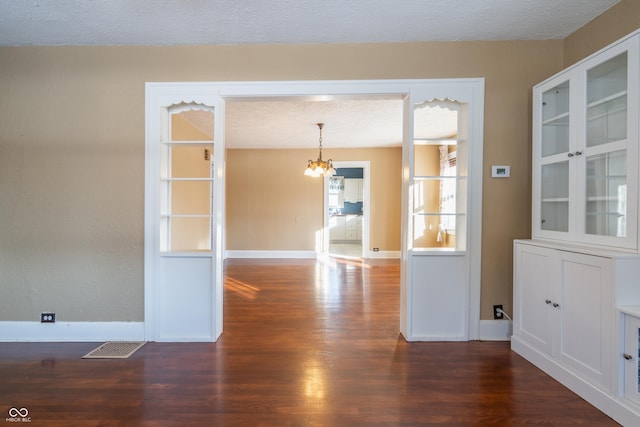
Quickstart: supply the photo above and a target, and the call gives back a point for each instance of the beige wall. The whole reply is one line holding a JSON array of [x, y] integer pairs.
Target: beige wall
[[277, 208], [72, 156], [617, 22]]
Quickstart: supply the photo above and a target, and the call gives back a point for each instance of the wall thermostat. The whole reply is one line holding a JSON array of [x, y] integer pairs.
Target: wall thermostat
[[500, 171]]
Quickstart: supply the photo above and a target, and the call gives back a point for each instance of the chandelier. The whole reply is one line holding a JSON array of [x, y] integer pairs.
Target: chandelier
[[320, 167]]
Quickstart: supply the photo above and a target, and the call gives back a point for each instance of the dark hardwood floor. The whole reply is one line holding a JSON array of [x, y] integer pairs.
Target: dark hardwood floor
[[305, 344]]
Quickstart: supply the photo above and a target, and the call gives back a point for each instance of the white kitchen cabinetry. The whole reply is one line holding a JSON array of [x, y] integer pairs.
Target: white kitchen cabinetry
[[345, 228], [353, 190], [585, 150], [354, 227], [337, 227]]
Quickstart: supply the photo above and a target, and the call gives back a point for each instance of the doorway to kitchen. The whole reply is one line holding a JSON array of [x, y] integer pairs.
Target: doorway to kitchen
[[346, 210]]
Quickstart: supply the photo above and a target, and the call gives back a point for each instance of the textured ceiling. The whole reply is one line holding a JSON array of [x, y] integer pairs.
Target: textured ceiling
[[285, 123], [172, 22], [355, 123], [291, 124]]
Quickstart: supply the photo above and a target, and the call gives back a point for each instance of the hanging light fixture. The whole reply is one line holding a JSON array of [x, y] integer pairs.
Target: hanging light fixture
[[320, 167]]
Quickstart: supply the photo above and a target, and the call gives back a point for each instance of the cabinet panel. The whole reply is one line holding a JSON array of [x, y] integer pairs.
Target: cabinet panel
[[337, 228], [586, 313], [631, 358], [353, 190], [534, 295]]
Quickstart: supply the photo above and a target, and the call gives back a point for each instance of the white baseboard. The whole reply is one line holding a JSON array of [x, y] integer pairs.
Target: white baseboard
[[495, 330], [433, 338], [384, 254], [71, 331], [271, 254], [612, 405], [302, 254]]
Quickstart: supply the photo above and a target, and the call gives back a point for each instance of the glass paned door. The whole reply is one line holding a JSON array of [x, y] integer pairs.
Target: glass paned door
[[439, 176], [606, 213], [187, 182], [555, 152], [555, 120], [554, 186], [606, 148]]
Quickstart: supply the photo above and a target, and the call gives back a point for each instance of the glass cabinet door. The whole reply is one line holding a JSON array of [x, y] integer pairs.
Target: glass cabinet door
[[554, 152], [606, 148]]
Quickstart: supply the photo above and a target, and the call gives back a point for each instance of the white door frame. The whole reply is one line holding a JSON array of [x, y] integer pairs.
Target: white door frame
[[470, 91], [365, 165]]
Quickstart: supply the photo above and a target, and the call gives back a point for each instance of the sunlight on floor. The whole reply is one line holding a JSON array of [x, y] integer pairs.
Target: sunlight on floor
[[243, 290], [351, 250]]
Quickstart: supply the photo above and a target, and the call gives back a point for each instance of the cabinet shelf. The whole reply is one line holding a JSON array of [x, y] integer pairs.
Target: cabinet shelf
[[609, 98], [603, 214], [436, 141], [195, 142], [602, 198], [607, 177], [555, 200], [559, 120]]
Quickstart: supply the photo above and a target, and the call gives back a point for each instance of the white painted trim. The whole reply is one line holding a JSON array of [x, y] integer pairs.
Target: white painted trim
[[472, 94], [617, 408], [383, 254], [271, 254], [496, 330], [71, 331], [365, 165], [302, 254], [435, 338], [465, 90]]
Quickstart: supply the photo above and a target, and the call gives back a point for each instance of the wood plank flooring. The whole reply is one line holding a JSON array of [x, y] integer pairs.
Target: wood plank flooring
[[306, 343]]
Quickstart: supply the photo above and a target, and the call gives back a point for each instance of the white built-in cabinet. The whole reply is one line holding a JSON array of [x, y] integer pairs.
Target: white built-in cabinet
[[585, 150], [576, 279], [564, 305]]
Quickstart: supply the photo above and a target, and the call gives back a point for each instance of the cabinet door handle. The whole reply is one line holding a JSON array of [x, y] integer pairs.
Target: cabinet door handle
[[556, 305], [569, 154], [547, 301], [627, 356], [578, 153]]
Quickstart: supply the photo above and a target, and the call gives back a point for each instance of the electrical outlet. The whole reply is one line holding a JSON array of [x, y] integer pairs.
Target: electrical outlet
[[47, 317], [497, 314]]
